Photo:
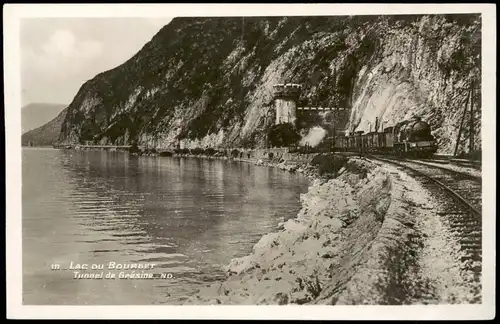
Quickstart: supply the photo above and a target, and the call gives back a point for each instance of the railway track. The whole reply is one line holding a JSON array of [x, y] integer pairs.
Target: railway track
[[463, 187], [431, 164], [458, 162], [462, 213]]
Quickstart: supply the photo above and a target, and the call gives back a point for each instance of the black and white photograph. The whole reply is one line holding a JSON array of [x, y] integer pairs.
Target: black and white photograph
[[298, 156]]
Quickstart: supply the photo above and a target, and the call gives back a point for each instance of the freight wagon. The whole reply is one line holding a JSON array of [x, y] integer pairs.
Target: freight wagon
[[408, 138]]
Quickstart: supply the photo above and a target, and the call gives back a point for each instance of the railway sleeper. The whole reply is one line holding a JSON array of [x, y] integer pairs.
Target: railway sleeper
[[467, 193], [472, 224], [468, 240], [473, 257], [458, 220], [463, 230], [452, 213], [474, 246], [466, 237], [474, 236], [464, 219]]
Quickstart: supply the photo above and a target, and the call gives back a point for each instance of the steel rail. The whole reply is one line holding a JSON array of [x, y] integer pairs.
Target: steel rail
[[439, 183], [466, 175]]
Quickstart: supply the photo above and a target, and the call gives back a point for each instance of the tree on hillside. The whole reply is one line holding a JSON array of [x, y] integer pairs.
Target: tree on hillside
[[283, 135]]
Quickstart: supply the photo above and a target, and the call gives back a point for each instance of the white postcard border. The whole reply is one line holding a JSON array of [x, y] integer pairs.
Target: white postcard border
[[12, 86]]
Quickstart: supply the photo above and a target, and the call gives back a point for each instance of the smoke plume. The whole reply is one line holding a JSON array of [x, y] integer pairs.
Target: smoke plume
[[313, 137]]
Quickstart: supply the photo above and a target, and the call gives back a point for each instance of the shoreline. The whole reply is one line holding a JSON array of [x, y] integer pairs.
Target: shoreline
[[290, 162]]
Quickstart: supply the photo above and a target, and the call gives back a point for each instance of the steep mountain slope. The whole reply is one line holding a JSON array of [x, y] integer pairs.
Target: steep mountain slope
[[208, 81], [426, 69], [45, 135], [35, 115]]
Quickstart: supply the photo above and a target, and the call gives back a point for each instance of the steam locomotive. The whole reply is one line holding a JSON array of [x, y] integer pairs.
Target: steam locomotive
[[407, 138]]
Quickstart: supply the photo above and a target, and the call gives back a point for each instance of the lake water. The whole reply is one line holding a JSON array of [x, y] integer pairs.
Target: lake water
[[187, 216]]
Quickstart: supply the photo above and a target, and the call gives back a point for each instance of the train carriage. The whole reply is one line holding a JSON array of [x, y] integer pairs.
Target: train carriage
[[377, 142], [368, 142], [410, 137], [372, 142], [381, 141], [351, 143], [345, 143], [358, 142], [340, 144], [365, 142], [388, 136]]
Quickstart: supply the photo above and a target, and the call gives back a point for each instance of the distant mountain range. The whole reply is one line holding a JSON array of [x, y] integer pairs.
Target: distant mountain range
[[37, 114], [45, 135]]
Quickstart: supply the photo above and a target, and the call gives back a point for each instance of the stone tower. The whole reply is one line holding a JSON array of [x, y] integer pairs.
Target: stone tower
[[285, 101]]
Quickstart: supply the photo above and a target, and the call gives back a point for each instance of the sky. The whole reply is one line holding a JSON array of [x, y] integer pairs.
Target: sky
[[59, 54]]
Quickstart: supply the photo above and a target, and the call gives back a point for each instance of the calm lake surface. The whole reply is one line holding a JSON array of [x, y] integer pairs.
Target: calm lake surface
[[188, 216]]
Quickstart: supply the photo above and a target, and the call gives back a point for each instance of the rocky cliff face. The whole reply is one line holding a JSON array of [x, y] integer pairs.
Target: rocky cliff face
[[424, 68], [208, 81]]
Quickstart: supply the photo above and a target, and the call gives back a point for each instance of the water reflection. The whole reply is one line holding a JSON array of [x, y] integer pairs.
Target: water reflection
[[189, 216]]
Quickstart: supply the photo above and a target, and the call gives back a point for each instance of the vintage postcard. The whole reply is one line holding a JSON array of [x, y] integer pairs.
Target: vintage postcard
[[250, 161]]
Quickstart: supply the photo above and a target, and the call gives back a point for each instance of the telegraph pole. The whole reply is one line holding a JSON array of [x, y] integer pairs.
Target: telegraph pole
[[471, 125], [242, 28], [335, 102], [266, 127], [462, 123]]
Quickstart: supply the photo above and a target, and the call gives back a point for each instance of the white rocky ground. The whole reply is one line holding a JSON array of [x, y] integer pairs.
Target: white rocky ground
[[439, 259], [370, 236]]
